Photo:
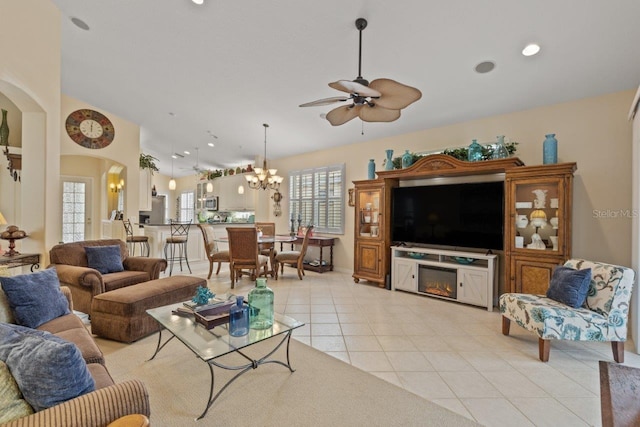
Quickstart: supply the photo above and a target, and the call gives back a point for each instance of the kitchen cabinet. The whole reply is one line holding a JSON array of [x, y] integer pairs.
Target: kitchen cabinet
[[228, 197], [144, 195]]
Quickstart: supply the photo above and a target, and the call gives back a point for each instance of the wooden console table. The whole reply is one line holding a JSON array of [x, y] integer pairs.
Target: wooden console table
[[320, 242], [21, 259]]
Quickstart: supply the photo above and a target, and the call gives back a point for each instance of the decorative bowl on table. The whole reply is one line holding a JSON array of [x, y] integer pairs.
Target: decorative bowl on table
[[463, 260], [416, 255]]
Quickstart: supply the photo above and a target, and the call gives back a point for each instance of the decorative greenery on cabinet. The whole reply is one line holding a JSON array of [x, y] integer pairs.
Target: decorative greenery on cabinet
[[147, 161]]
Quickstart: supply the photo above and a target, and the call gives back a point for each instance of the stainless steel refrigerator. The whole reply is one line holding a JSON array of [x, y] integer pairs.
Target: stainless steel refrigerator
[[158, 210]]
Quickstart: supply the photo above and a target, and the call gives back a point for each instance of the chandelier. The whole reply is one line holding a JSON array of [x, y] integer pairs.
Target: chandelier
[[264, 178]]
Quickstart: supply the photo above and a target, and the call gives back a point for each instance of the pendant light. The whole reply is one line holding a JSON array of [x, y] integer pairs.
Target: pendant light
[[172, 182]]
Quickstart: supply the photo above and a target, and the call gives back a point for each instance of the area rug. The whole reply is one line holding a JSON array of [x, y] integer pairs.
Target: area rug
[[323, 391]]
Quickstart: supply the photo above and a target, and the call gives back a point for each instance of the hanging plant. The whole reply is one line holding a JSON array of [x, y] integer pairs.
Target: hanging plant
[[147, 161]]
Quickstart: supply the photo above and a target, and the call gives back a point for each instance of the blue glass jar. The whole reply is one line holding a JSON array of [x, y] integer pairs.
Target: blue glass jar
[[239, 318], [474, 153], [260, 305], [550, 149]]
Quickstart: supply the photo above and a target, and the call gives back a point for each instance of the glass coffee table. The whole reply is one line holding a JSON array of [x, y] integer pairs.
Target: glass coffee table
[[211, 344]]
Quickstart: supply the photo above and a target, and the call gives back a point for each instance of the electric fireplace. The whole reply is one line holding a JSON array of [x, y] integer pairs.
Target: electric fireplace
[[437, 281]]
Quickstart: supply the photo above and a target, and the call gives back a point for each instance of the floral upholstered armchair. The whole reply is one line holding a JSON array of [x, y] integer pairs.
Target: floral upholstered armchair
[[602, 317]]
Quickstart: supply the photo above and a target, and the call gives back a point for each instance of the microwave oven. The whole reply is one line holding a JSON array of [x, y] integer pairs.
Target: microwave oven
[[211, 203]]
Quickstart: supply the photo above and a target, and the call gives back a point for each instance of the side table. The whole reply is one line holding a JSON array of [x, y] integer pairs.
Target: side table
[[320, 242], [20, 260]]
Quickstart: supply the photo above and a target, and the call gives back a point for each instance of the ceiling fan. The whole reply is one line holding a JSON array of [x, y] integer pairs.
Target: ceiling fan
[[378, 101], [196, 167]]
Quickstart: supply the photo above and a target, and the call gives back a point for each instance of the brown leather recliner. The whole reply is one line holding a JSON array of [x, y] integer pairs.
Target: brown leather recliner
[[70, 261]]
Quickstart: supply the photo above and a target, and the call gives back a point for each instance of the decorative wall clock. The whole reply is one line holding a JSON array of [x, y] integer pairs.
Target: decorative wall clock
[[90, 129]]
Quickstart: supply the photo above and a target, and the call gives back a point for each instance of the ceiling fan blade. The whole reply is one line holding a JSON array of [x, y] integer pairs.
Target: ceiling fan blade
[[325, 101], [395, 96], [355, 87], [377, 114], [341, 115]]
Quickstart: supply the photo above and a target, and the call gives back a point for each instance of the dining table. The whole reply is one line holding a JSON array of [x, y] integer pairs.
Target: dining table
[[266, 240]]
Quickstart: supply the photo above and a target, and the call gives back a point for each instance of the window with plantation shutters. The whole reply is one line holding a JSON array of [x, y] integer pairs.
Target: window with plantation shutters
[[186, 206], [317, 198]]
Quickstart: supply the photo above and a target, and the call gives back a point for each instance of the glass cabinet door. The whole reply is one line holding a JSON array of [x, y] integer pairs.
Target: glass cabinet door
[[369, 215], [539, 211]]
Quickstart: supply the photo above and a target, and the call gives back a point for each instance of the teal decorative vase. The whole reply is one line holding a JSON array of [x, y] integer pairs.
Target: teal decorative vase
[[474, 153], [4, 130], [260, 305], [550, 149], [407, 159], [388, 165], [371, 171], [500, 152]]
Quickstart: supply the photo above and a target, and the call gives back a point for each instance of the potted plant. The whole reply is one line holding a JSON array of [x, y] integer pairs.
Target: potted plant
[[147, 161]]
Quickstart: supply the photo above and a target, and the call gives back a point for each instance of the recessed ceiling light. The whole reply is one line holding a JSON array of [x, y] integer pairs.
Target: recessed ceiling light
[[485, 67], [211, 144], [531, 49], [186, 152], [198, 1], [80, 24], [173, 156]]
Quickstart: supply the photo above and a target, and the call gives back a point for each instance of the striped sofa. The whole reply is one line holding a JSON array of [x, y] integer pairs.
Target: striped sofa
[[106, 404]]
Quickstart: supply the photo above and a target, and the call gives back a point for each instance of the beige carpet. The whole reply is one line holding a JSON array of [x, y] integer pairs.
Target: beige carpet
[[323, 391]]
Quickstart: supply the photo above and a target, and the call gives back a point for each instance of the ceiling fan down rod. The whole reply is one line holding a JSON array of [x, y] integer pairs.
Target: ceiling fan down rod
[[361, 24]]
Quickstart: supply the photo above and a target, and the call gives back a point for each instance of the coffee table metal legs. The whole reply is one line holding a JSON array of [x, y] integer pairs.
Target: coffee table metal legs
[[160, 344], [253, 364]]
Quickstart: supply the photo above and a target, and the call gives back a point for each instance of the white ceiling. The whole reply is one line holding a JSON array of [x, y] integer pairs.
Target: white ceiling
[[227, 67]]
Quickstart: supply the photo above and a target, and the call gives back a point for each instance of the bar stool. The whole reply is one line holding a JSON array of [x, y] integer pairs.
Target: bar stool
[[177, 240], [132, 240]]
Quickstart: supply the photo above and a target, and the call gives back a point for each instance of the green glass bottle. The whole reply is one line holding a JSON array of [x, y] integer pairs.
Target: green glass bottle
[[260, 305]]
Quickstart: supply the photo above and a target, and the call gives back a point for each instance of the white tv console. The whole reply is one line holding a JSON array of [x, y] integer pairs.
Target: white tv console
[[473, 274]]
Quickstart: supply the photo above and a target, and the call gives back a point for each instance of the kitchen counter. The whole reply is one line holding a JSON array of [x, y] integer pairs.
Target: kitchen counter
[[158, 233]]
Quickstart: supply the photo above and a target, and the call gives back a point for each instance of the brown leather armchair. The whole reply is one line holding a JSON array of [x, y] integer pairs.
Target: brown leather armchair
[[70, 261]]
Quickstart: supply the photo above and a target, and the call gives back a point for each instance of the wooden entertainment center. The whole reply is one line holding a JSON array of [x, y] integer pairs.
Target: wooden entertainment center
[[539, 195]]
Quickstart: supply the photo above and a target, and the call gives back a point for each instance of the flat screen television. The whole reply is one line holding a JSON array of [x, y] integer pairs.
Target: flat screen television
[[469, 215]]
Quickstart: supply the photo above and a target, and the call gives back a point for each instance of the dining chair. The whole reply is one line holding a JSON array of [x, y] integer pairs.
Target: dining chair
[[177, 241], [133, 240], [211, 248], [243, 253], [294, 258], [268, 249]]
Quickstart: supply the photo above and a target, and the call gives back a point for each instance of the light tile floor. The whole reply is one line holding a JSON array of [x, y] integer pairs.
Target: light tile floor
[[451, 354]]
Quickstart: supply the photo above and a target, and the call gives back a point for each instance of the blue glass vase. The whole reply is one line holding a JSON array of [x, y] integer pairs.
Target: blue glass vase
[[388, 165], [407, 159], [239, 318], [475, 151], [550, 149], [371, 171]]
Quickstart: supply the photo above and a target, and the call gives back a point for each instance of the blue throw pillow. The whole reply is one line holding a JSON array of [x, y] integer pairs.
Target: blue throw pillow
[[35, 298], [105, 259], [569, 286], [47, 369]]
